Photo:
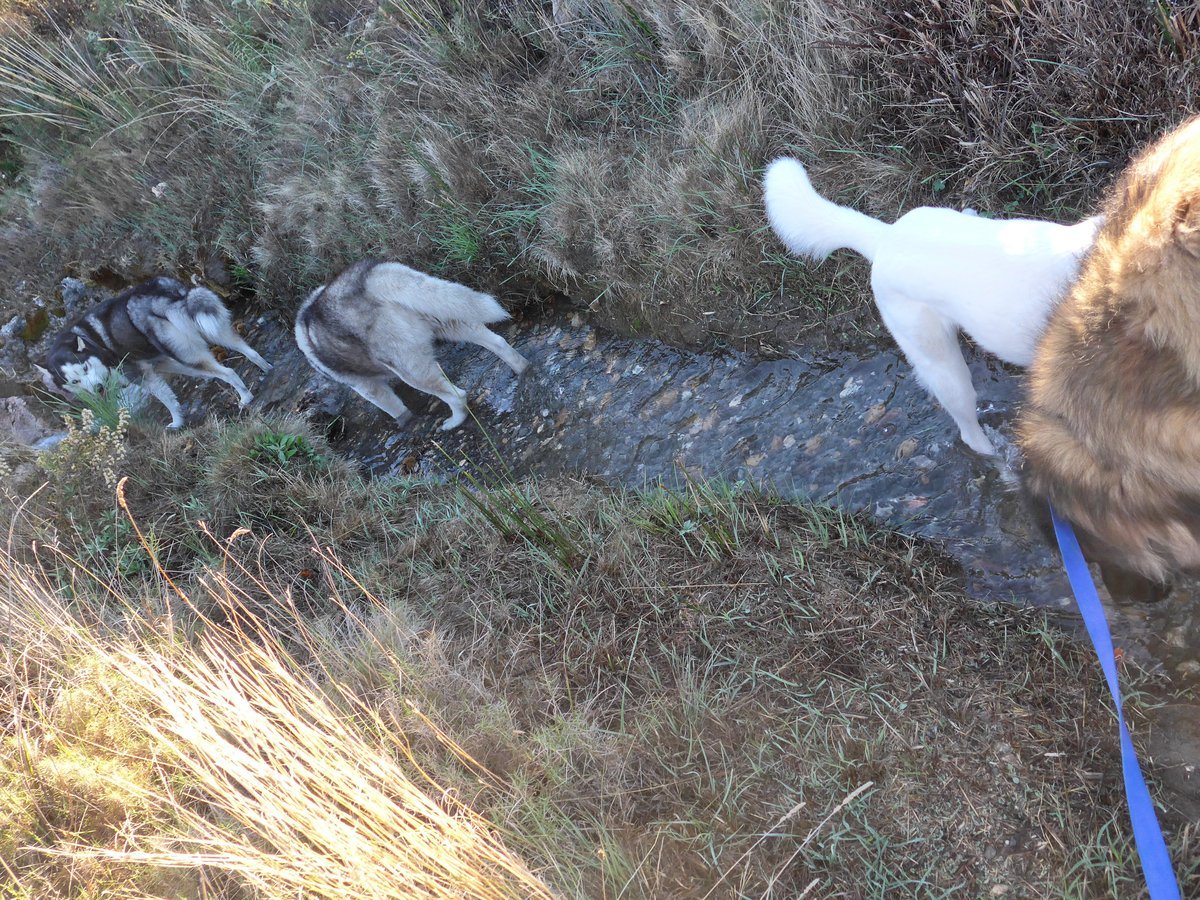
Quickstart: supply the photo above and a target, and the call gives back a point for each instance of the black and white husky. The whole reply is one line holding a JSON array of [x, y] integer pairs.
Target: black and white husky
[[378, 320], [155, 328]]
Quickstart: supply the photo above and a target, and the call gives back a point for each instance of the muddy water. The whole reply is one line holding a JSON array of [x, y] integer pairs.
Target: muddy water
[[851, 429]]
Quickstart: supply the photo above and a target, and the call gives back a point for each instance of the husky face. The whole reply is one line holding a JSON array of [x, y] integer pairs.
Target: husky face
[[87, 374]]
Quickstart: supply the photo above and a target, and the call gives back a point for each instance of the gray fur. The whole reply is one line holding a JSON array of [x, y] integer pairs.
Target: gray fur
[[157, 327], [378, 320]]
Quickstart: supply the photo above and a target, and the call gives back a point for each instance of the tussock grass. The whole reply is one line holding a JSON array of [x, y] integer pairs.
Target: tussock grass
[[224, 756], [725, 695], [609, 151]]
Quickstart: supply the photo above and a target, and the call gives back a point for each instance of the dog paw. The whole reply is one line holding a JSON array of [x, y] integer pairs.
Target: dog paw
[[979, 443], [245, 401], [454, 421]]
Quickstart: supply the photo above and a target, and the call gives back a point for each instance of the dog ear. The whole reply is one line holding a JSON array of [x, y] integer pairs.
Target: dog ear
[[48, 380], [1187, 224]]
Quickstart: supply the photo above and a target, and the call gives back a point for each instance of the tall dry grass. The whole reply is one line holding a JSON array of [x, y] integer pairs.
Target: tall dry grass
[[668, 693], [609, 151], [222, 758]]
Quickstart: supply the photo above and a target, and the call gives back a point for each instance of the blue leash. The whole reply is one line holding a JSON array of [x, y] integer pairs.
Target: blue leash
[[1147, 835]]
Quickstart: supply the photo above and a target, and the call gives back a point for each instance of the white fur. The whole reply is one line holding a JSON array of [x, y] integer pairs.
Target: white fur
[[189, 342], [429, 295], [89, 374], [938, 271], [414, 309]]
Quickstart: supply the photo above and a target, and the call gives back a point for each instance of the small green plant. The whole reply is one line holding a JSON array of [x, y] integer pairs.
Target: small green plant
[[114, 548], [283, 448], [104, 406], [706, 517], [243, 277], [459, 239], [513, 512]]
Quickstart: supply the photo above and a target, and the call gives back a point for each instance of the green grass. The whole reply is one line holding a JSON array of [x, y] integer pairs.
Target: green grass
[[106, 406], [658, 693]]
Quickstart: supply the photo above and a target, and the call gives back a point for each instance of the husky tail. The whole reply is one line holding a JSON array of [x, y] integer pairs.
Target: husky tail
[[215, 322], [430, 296], [809, 224], [212, 317]]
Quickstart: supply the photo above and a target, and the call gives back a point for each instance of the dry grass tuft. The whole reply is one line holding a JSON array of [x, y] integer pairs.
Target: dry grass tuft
[[222, 759], [609, 151], [1028, 108]]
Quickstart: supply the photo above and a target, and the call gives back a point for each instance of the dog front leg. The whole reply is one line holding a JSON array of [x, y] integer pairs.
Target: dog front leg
[[380, 393]]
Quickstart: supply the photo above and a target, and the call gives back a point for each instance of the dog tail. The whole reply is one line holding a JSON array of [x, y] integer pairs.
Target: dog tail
[[434, 297], [212, 317], [809, 224]]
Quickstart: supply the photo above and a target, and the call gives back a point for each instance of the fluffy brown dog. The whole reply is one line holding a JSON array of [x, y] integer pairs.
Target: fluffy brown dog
[[1111, 428]]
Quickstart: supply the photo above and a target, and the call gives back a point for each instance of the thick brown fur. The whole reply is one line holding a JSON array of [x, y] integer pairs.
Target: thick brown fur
[[1111, 427]]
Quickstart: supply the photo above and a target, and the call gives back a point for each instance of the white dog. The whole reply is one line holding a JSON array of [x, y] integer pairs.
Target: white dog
[[938, 271], [378, 320]]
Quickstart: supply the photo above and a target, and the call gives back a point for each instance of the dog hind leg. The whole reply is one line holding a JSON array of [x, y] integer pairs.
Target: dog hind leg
[[213, 320], [483, 336], [161, 391], [210, 368], [234, 341], [930, 343], [428, 376]]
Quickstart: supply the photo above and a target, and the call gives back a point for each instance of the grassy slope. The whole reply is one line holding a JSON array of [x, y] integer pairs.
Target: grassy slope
[[653, 695], [656, 694], [607, 150]]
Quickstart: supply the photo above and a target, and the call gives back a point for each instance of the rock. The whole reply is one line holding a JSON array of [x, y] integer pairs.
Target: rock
[[49, 442], [1189, 668], [1174, 747], [19, 425], [12, 329], [73, 291]]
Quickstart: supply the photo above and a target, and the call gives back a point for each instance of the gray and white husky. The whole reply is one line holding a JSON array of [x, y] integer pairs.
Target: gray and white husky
[[378, 320], [155, 328]]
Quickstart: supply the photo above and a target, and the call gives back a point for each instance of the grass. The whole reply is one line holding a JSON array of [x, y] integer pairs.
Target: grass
[[216, 766], [723, 695], [609, 151], [106, 407], [260, 675]]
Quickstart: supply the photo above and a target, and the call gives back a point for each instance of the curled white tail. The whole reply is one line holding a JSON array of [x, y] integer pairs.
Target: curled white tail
[[430, 296], [212, 317], [809, 224]]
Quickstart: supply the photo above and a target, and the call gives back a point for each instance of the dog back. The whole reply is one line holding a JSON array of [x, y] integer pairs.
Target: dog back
[[334, 325], [1111, 428]]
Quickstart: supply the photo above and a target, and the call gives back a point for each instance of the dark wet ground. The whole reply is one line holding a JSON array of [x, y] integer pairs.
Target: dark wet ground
[[852, 429]]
